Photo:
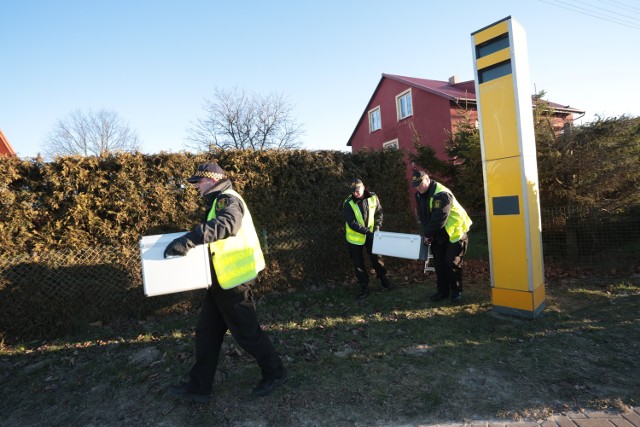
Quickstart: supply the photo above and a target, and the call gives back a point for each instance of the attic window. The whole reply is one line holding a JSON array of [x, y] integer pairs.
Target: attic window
[[374, 119], [390, 145], [404, 106]]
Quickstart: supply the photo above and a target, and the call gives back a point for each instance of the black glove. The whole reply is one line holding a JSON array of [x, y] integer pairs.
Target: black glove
[[179, 247], [369, 234]]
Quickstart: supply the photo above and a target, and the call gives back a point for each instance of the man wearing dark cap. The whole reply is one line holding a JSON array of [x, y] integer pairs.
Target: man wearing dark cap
[[363, 215], [444, 226], [236, 259]]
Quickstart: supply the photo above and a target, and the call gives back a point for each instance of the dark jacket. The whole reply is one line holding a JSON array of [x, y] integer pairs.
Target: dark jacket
[[363, 205], [228, 217], [433, 220]]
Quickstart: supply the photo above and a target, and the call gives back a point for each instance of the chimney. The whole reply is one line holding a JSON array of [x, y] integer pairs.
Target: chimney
[[453, 79]]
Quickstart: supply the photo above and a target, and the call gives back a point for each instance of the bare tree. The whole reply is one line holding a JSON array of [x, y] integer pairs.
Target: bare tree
[[237, 120], [90, 133]]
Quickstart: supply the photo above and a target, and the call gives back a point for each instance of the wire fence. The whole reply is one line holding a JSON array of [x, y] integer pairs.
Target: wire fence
[[579, 238], [59, 289]]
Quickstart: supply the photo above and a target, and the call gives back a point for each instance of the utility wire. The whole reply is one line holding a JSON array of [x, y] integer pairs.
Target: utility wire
[[582, 3], [586, 7], [578, 10], [623, 6]]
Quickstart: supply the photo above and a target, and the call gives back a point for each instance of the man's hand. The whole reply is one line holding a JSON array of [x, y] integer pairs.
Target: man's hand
[[179, 247], [427, 240]]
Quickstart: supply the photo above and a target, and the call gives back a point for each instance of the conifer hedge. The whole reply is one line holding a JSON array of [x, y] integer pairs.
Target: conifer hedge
[[76, 202], [80, 204]]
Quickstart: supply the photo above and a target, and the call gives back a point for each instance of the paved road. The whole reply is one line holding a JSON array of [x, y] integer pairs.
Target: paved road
[[570, 419]]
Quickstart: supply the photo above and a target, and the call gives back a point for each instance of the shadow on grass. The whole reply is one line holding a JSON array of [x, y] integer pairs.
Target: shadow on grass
[[394, 358]]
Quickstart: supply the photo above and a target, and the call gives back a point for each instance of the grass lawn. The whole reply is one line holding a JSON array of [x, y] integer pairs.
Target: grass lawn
[[396, 358]]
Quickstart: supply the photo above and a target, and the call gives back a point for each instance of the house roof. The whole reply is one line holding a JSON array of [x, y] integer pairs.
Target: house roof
[[5, 147], [459, 92], [462, 91]]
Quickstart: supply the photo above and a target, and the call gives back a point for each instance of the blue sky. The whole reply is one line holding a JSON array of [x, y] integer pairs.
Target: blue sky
[[154, 62]]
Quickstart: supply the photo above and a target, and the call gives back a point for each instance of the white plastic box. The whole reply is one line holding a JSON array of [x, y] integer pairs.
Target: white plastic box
[[176, 274], [399, 245]]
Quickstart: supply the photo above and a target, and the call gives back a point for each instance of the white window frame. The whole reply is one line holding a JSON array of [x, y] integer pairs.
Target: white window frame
[[404, 109], [391, 145], [372, 122]]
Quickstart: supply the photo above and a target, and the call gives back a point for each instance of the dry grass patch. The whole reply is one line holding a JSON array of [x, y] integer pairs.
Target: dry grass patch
[[396, 358]]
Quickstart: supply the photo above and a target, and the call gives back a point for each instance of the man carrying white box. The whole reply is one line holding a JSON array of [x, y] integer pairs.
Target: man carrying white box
[[236, 259], [362, 213], [444, 224]]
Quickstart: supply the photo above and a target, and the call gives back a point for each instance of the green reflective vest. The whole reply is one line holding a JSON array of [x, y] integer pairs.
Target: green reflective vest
[[236, 259], [458, 222], [353, 236]]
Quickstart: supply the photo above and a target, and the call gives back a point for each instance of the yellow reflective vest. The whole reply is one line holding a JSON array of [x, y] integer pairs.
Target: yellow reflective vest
[[236, 259], [353, 236], [458, 222]]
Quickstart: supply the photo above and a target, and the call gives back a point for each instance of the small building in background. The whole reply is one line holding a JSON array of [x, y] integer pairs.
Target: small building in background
[[405, 110], [5, 147]]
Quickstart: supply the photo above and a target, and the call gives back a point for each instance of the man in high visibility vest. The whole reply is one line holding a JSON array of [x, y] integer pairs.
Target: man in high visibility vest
[[236, 259], [362, 213], [444, 226]]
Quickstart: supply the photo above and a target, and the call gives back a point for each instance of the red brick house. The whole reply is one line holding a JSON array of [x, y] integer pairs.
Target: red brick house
[[402, 109], [5, 147]]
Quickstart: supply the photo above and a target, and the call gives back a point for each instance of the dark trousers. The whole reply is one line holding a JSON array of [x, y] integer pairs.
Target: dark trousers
[[233, 310], [447, 261], [357, 256]]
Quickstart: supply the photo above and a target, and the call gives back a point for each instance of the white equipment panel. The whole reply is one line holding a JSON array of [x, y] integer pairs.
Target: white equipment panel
[[399, 245], [175, 274]]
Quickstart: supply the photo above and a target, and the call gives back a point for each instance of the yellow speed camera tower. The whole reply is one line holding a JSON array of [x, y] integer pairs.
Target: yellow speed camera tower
[[509, 167]]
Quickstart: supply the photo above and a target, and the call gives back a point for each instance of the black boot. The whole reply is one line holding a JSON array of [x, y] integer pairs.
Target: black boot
[[387, 283], [456, 296], [364, 290]]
